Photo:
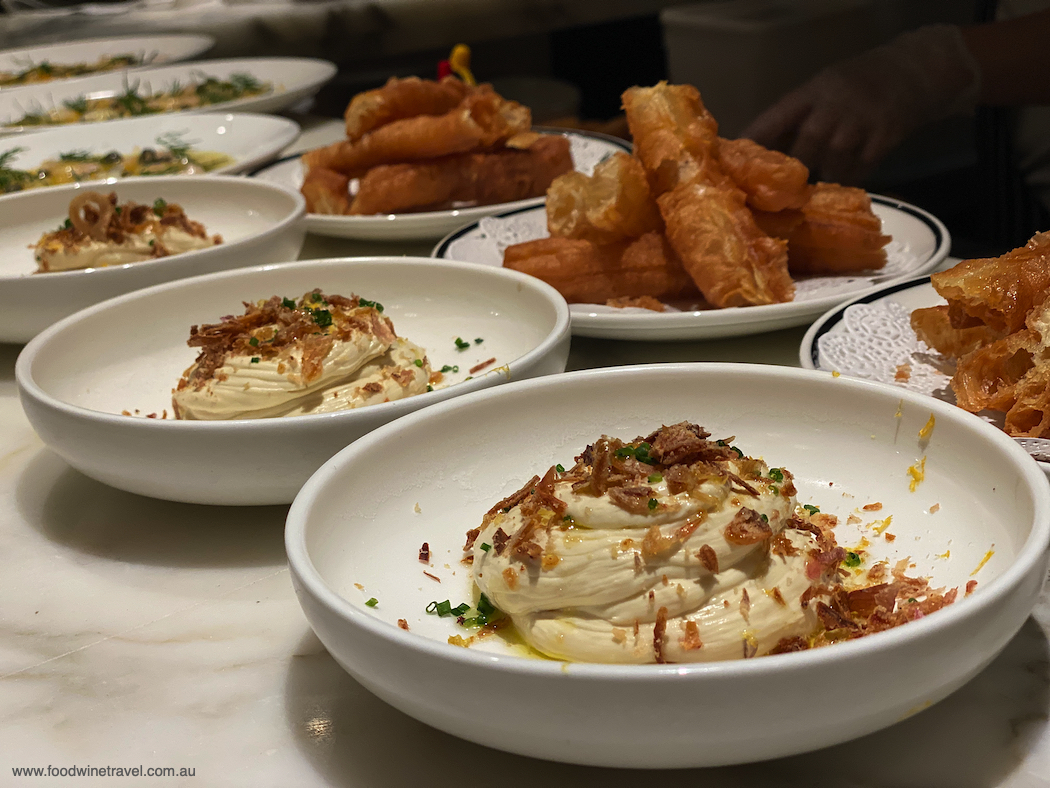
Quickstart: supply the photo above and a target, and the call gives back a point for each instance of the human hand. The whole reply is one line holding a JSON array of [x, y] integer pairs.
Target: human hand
[[843, 121]]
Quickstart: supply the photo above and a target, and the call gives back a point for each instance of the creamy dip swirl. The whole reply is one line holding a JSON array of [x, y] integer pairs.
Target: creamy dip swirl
[[671, 548], [318, 354]]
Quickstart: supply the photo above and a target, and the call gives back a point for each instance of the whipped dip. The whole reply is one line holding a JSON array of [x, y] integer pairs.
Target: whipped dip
[[671, 548], [318, 354]]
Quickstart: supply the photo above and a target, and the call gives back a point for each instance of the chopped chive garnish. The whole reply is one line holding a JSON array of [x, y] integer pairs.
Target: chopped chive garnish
[[418, 362], [429, 387], [478, 341], [372, 602], [776, 474], [764, 518], [655, 478], [811, 508], [315, 297], [559, 468], [652, 504], [378, 307], [738, 452], [255, 359], [288, 303], [159, 206], [254, 342], [461, 344], [322, 317], [851, 560], [486, 547]]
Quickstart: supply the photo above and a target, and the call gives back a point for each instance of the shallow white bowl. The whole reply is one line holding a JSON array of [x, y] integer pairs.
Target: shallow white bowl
[[259, 224], [153, 50], [293, 79], [248, 138], [77, 377], [356, 527]]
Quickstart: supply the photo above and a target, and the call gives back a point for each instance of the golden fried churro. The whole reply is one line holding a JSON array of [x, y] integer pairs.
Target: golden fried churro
[[675, 137], [611, 205], [772, 181], [483, 119], [998, 292], [933, 326], [399, 99], [589, 273], [730, 259], [839, 234], [482, 178], [326, 191]]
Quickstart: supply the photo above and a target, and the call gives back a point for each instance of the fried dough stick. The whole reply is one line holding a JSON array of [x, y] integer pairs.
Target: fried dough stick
[[675, 137], [708, 224], [399, 99], [481, 178], [772, 181], [839, 233], [589, 273], [614, 204], [730, 259], [326, 191], [998, 292], [933, 326], [481, 120]]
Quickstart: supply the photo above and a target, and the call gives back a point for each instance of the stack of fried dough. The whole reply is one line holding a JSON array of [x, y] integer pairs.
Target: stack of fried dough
[[691, 214], [416, 145], [996, 325]]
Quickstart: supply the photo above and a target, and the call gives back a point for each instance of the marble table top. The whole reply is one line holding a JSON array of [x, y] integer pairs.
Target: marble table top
[[143, 633]]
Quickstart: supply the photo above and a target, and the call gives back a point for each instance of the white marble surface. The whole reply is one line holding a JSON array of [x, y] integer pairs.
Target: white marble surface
[[139, 632]]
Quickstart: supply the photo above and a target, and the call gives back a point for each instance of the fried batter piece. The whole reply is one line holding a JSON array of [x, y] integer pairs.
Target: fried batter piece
[[588, 273], [998, 292], [484, 178], [675, 137], [399, 99], [612, 205], [732, 261], [483, 119], [326, 191], [772, 181], [987, 377], [933, 326], [839, 233]]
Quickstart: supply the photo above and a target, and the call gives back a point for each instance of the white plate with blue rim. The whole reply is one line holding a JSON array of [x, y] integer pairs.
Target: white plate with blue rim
[[587, 149], [920, 242], [871, 337]]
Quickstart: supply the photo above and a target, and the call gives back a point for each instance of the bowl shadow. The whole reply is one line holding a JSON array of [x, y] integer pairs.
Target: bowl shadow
[[974, 738], [75, 511]]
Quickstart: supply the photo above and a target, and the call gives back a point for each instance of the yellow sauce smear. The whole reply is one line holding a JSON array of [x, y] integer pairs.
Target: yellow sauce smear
[[945, 554], [917, 473], [927, 431], [985, 560], [882, 525], [900, 410], [835, 374]]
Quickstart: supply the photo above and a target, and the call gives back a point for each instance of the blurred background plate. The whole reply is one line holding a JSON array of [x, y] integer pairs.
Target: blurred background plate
[[587, 149], [246, 138], [145, 51], [291, 80]]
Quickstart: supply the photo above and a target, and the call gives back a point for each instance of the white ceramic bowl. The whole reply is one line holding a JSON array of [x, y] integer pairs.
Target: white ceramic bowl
[[293, 79], [259, 224], [77, 377], [355, 529], [152, 50], [248, 138]]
